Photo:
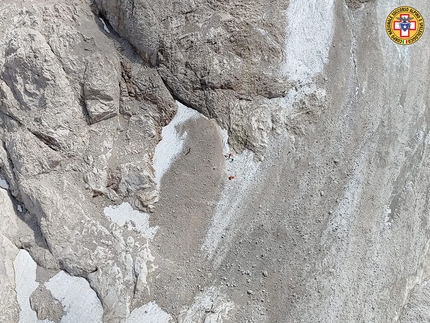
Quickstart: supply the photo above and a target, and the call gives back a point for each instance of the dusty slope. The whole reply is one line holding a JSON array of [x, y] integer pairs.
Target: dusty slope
[[329, 224], [334, 226]]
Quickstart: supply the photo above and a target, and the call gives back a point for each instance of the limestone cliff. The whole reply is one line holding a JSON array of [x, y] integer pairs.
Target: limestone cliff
[[212, 161]]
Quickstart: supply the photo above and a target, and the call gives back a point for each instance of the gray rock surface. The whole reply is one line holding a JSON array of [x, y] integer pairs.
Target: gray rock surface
[[75, 138], [220, 58], [319, 215], [9, 310], [46, 307]]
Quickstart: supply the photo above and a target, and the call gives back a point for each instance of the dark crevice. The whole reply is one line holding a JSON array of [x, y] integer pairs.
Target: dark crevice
[[14, 193], [31, 221], [177, 98], [49, 141], [82, 100], [100, 13], [12, 117], [207, 106], [33, 224]]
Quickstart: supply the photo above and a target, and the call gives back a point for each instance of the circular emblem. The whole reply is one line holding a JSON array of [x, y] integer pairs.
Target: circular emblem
[[404, 25]]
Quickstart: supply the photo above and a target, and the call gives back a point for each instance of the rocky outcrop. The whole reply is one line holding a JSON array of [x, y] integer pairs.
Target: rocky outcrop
[[323, 217], [219, 58], [80, 121], [43, 303], [101, 89]]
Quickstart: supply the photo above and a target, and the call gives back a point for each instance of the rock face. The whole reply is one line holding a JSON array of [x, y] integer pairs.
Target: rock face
[[219, 58], [9, 310], [75, 136], [320, 213]]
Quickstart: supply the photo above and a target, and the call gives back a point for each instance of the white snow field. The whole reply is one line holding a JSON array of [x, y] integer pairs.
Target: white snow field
[[310, 30], [172, 141]]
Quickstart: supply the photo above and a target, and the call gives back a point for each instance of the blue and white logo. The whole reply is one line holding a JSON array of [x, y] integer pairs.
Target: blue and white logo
[[405, 22]]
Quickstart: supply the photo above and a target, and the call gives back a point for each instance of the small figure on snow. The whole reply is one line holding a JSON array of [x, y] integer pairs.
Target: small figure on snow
[[229, 156]]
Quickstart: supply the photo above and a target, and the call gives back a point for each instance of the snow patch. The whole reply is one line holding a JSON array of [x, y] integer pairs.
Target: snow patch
[[149, 313], [25, 280], [105, 26], [80, 302], [224, 136], [172, 141], [125, 215], [309, 34], [4, 184]]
